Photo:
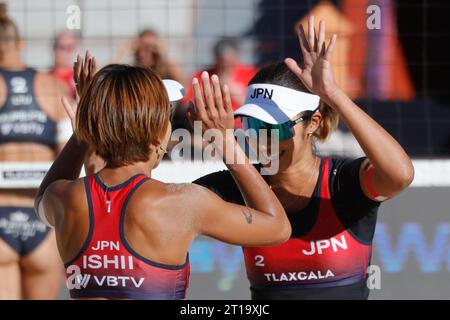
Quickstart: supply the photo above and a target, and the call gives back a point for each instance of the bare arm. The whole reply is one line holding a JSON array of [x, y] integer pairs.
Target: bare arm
[[264, 221], [83, 72], [392, 169], [381, 176], [67, 166], [239, 225]]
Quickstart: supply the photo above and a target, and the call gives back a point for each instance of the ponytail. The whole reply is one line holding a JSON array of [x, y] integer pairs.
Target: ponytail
[[329, 123]]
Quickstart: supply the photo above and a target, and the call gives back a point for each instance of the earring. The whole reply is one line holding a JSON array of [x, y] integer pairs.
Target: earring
[[309, 134], [162, 149]]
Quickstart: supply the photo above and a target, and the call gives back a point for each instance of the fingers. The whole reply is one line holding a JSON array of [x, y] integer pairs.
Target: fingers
[[329, 52], [321, 38], [304, 44], [94, 66], [190, 113], [209, 97], [198, 99], [316, 42], [86, 63], [311, 32], [218, 99], [227, 99], [77, 70], [293, 66], [84, 70], [71, 112]]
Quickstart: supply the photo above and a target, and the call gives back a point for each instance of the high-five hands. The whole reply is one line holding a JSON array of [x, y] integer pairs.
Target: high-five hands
[[317, 74]]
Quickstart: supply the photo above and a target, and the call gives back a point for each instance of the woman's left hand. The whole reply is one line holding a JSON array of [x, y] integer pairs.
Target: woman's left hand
[[317, 74]]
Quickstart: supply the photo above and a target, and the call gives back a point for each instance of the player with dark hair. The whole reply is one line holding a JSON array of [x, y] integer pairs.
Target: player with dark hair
[[331, 203]]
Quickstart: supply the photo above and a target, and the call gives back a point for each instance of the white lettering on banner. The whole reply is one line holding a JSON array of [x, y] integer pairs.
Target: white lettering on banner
[[319, 246], [298, 276]]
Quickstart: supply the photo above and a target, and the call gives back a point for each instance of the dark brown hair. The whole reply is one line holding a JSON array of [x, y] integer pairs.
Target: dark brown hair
[[122, 112], [279, 74]]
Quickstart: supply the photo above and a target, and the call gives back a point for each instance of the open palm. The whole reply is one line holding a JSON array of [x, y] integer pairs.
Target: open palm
[[317, 74], [83, 72]]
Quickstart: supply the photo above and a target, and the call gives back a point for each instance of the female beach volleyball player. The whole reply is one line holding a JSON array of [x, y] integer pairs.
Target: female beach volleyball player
[[33, 128], [123, 234], [331, 203]]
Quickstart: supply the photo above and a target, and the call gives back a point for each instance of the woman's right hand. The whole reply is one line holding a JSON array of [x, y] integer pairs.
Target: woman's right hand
[[212, 105], [83, 72]]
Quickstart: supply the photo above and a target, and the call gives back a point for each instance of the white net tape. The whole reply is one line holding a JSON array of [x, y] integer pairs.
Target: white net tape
[[429, 173]]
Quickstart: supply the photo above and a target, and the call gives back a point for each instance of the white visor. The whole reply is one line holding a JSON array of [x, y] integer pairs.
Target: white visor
[[276, 104], [174, 89]]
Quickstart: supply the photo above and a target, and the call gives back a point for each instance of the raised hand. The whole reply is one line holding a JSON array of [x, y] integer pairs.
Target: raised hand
[[212, 105], [83, 72], [317, 74]]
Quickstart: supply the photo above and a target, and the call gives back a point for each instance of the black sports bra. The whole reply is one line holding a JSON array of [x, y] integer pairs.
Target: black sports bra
[[21, 117]]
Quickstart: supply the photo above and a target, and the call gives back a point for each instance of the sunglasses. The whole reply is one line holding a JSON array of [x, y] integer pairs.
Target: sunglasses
[[282, 131]]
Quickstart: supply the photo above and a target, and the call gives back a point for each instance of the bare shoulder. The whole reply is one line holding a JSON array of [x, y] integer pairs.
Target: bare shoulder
[[181, 188], [67, 192], [189, 192], [157, 193]]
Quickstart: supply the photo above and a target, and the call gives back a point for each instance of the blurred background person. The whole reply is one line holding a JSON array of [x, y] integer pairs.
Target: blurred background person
[[148, 51], [32, 129], [228, 66], [65, 45]]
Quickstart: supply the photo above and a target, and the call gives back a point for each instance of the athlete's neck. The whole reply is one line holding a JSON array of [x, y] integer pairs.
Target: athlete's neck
[[116, 175], [12, 61], [295, 176]]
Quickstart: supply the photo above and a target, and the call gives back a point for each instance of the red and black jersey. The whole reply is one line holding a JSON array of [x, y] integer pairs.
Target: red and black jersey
[[330, 248], [107, 266]]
